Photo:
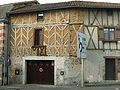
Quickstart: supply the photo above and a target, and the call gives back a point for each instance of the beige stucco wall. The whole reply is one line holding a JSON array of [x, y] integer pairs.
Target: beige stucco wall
[[70, 66], [94, 65]]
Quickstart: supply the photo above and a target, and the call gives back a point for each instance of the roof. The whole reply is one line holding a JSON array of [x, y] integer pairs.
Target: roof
[[20, 5], [64, 5], [6, 8], [3, 10]]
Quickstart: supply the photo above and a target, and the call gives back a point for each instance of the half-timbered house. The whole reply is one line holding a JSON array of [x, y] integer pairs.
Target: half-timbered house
[[43, 42]]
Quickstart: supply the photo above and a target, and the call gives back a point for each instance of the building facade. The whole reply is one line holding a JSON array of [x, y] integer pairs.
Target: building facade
[[43, 42], [102, 30]]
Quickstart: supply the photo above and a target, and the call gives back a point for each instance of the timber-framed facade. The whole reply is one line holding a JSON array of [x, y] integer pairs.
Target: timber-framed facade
[[43, 37]]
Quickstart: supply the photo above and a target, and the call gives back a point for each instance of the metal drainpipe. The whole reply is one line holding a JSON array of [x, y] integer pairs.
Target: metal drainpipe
[[8, 43], [7, 46], [69, 33]]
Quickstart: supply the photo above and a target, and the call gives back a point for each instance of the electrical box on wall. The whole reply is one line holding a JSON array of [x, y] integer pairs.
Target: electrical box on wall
[[17, 71]]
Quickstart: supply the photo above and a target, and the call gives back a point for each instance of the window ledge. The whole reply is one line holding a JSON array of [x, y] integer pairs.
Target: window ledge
[[40, 20], [109, 40]]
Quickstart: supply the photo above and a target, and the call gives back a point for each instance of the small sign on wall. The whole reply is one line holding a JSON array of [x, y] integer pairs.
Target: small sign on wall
[[81, 45]]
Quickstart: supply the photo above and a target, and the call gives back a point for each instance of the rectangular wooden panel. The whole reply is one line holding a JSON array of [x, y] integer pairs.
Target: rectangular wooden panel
[[40, 72]]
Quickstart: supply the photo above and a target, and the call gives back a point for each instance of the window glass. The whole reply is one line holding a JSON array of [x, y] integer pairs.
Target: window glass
[[40, 16], [106, 34], [109, 33], [112, 34], [38, 40]]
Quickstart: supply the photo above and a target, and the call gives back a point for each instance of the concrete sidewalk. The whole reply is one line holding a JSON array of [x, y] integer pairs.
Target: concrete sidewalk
[[52, 87], [29, 87]]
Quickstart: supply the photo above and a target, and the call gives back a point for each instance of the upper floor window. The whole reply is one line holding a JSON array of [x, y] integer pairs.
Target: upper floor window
[[40, 16], [109, 34], [38, 37]]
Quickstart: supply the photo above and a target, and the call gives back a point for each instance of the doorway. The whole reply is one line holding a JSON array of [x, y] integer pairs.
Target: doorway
[[40, 72], [110, 69]]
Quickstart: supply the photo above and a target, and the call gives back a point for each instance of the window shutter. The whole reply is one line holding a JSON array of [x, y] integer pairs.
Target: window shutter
[[101, 34], [117, 34]]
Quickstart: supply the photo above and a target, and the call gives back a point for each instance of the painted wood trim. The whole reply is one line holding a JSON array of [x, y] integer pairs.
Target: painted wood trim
[[112, 57], [89, 17], [118, 17], [102, 17], [95, 13], [116, 69], [113, 18]]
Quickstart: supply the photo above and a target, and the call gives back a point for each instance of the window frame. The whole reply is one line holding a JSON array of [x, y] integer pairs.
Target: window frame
[[109, 31], [40, 17], [39, 38], [118, 65]]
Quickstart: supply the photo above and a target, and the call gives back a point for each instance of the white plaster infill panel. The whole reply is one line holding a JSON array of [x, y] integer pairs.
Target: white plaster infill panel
[[58, 64]]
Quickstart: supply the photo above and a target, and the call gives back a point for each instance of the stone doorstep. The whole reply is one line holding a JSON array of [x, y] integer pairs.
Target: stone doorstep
[[21, 86]]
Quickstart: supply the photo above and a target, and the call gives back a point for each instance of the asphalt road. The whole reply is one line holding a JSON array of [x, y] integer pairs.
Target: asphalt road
[[47, 87]]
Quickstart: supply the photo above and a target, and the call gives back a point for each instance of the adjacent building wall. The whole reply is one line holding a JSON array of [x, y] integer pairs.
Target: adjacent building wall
[[2, 38], [96, 51], [3, 52], [94, 68]]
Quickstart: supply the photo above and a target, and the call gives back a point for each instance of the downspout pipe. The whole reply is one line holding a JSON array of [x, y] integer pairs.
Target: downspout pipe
[[69, 33], [7, 45]]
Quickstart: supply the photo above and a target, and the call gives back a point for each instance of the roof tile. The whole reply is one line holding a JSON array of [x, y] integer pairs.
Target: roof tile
[[70, 4]]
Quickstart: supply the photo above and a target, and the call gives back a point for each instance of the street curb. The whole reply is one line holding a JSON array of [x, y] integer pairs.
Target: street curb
[[101, 84]]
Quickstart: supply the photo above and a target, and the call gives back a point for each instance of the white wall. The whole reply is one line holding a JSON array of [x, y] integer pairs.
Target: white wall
[[94, 66], [70, 67]]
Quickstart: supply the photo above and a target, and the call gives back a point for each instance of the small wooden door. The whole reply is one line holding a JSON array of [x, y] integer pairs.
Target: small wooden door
[[110, 69], [40, 72]]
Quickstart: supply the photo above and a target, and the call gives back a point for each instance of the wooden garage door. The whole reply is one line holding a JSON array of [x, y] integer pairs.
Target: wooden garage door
[[40, 72]]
